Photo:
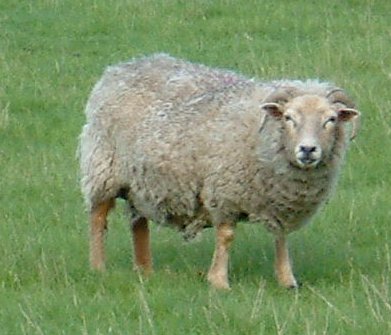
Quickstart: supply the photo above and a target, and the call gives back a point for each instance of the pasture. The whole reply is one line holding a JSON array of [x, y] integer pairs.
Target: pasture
[[52, 53]]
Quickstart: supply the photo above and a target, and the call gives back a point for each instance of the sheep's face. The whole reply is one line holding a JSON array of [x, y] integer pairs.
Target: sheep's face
[[311, 125]]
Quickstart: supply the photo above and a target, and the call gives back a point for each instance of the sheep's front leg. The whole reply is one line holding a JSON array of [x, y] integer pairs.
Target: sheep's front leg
[[218, 273], [141, 247], [283, 266], [98, 226]]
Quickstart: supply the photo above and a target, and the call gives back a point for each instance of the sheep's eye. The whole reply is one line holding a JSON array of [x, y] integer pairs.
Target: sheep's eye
[[289, 118], [331, 120]]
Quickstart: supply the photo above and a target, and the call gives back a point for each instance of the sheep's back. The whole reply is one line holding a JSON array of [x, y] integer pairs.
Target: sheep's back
[[137, 86]]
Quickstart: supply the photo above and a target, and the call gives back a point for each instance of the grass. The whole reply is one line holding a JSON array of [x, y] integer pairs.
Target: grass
[[52, 52]]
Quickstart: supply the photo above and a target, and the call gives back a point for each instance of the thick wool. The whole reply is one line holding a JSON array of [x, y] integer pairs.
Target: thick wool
[[189, 146]]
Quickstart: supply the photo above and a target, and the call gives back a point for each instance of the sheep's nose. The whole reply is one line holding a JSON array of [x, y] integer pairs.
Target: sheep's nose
[[307, 149], [308, 155]]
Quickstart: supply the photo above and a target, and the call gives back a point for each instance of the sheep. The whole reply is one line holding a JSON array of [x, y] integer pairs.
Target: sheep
[[193, 147]]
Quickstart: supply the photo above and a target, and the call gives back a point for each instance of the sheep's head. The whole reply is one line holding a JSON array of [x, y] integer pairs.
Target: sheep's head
[[312, 124]]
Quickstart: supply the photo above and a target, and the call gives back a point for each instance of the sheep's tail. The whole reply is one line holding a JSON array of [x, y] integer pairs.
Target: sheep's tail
[[97, 178]]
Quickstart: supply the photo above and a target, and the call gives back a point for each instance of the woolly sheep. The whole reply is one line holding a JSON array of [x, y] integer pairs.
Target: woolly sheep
[[192, 147]]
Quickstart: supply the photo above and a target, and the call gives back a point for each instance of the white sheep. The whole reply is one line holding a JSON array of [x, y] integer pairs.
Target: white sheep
[[191, 146]]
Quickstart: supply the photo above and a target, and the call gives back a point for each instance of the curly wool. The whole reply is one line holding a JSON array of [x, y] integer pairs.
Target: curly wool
[[182, 143]]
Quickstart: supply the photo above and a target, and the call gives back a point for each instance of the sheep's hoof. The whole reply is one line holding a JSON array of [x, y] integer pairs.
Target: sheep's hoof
[[221, 286], [289, 283], [218, 282], [98, 266], [146, 271], [294, 287]]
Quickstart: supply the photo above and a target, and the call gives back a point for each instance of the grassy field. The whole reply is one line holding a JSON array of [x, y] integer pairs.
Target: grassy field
[[52, 52]]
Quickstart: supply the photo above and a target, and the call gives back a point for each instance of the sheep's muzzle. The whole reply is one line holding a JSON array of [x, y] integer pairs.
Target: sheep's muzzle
[[308, 156]]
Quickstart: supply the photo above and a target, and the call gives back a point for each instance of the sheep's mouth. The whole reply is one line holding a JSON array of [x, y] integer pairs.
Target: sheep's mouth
[[308, 157], [307, 162]]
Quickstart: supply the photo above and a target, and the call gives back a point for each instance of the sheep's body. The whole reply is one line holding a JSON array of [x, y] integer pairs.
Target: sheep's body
[[182, 143]]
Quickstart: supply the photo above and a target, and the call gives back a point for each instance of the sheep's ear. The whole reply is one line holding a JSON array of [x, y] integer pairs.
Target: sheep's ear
[[273, 109], [347, 114], [353, 115]]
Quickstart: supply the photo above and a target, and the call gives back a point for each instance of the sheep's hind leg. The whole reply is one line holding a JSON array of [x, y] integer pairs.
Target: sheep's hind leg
[[218, 273], [98, 226], [141, 245], [283, 266]]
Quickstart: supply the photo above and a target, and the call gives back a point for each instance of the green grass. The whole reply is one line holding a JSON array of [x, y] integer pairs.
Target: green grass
[[51, 54]]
